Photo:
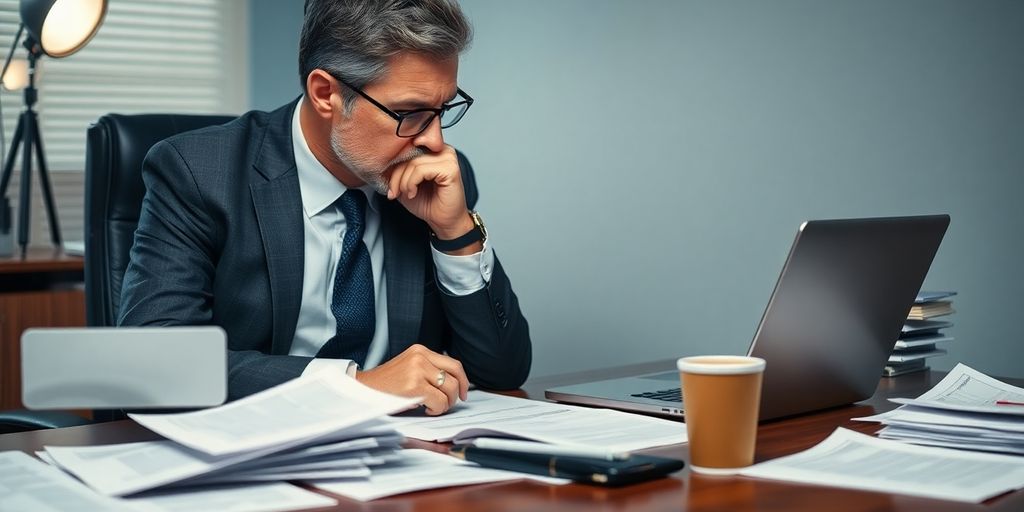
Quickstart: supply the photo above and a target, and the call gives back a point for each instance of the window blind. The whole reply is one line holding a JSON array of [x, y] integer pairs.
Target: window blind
[[149, 56]]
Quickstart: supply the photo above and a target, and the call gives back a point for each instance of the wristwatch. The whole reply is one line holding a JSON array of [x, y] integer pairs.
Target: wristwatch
[[477, 234]]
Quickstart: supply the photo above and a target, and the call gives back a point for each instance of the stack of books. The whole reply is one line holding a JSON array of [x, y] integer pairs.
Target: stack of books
[[921, 334]]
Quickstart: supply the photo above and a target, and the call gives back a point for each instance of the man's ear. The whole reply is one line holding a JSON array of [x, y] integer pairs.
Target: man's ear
[[322, 90]]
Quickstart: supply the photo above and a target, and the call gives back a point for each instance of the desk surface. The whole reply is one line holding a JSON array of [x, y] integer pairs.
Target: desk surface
[[40, 260], [683, 491]]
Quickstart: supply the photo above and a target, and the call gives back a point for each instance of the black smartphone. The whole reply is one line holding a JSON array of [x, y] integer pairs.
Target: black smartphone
[[635, 468]]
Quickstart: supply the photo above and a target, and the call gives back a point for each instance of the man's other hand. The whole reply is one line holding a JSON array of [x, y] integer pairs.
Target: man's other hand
[[417, 372]]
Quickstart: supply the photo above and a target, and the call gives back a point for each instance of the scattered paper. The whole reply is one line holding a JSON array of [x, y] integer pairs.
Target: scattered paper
[[280, 431], [28, 484], [966, 389], [123, 469], [420, 470], [267, 497], [301, 409], [852, 460], [488, 414]]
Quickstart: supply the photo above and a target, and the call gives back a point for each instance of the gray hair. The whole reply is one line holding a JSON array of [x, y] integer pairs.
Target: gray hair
[[353, 39]]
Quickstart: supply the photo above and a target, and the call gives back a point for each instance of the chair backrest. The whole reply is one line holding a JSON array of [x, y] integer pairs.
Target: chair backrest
[[116, 146]]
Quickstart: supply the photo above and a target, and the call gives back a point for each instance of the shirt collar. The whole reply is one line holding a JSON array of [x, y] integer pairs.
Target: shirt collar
[[318, 187]]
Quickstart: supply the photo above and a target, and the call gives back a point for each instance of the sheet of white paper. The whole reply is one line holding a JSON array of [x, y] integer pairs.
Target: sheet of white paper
[[338, 449], [420, 470], [122, 469], [354, 461], [265, 497], [966, 389], [910, 414], [28, 484], [857, 461], [956, 430], [278, 477], [488, 414], [304, 408], [957, 441]]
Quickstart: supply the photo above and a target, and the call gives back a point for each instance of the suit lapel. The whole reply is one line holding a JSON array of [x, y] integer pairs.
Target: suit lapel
[[404, 263], [278, 205]]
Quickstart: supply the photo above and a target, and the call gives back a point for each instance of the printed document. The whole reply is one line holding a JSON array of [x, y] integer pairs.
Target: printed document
[[28, 484], [857, 461], [488, 414], [122, 469], [966, 389], [420, 470], [300, 409]]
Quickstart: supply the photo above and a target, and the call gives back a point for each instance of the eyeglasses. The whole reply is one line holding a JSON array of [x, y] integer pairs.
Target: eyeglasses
[[413, 122]]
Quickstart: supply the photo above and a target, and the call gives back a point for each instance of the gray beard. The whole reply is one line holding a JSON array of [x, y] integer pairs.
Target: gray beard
[[364, 170]]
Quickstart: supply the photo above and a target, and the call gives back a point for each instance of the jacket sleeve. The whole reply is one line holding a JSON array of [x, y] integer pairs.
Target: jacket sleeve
[[490, 336], [169, 278]]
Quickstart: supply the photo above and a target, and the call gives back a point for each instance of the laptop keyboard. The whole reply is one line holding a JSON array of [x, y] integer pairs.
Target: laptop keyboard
[[667, 395]]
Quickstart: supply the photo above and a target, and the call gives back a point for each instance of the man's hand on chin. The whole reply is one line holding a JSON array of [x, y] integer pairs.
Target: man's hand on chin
[[430, 187], [419, 371]]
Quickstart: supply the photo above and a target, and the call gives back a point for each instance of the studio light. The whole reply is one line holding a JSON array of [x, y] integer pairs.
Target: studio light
[[56, 28]]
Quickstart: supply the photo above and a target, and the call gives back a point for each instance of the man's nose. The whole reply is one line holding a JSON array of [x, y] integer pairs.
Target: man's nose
[[431, 139]]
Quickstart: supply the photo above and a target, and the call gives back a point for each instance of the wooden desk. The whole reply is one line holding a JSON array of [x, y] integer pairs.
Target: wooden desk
[[683, 491], [45, 289]]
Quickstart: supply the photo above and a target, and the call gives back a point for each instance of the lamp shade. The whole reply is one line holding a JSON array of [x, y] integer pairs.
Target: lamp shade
[[62, 27]]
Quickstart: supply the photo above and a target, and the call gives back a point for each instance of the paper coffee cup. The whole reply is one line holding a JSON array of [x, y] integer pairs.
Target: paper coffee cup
[[721, 399]]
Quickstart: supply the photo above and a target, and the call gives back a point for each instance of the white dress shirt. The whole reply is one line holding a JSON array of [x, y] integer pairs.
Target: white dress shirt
[[324, 228]]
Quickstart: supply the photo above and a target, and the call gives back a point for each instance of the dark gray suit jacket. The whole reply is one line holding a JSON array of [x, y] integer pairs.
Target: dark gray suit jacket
[[220, 241]]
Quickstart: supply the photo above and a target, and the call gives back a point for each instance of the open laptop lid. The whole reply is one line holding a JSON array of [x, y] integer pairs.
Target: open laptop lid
[[838, 307], [107, 368]]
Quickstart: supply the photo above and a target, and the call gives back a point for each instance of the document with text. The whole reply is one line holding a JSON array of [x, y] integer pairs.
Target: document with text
[[966, 389], [420, 470], [852, 460], [304, 408], [492, 415], [28, 484]]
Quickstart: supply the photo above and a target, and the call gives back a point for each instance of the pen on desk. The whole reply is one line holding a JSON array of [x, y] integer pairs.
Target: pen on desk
[[1008, 402], [514, 445]]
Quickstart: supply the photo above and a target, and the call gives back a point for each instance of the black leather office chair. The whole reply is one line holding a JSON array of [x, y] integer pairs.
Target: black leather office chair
[[116, 146]]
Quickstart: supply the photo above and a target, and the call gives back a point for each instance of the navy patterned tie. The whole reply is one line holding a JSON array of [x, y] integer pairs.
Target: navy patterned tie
[[353, 300]]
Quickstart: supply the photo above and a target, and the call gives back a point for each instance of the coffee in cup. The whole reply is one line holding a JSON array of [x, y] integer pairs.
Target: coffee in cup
[[721, 399]]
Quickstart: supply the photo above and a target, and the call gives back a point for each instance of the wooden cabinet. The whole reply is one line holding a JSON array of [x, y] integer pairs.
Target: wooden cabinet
[[44, 289]]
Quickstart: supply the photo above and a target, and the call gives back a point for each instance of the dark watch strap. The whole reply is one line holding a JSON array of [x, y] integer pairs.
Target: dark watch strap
[[477, 234], [474, 235]]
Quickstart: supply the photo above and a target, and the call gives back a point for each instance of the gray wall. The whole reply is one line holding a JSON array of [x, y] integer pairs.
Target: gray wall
[[274, 52], [644, 165]]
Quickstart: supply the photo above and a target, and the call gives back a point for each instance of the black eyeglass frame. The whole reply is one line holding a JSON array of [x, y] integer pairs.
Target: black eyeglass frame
[[401, 117]]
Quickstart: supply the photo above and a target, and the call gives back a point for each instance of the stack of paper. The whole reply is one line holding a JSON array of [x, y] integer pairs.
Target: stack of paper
[[967, 410], [317, 426], [921, 334]]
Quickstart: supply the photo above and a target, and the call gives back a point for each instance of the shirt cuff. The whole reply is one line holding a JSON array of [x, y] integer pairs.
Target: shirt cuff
[[347, 366], [463, 275]]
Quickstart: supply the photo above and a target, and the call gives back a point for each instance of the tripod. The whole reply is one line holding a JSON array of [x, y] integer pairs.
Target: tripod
[[27, 135]]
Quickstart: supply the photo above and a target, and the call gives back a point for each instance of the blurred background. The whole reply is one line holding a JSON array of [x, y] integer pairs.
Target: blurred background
[[644, 166]]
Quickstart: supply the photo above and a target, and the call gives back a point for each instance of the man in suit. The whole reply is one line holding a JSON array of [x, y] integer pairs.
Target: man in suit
[[337, 231]]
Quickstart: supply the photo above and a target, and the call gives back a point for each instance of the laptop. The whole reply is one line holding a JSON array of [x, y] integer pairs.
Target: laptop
[[829, 327], [107, 368]]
